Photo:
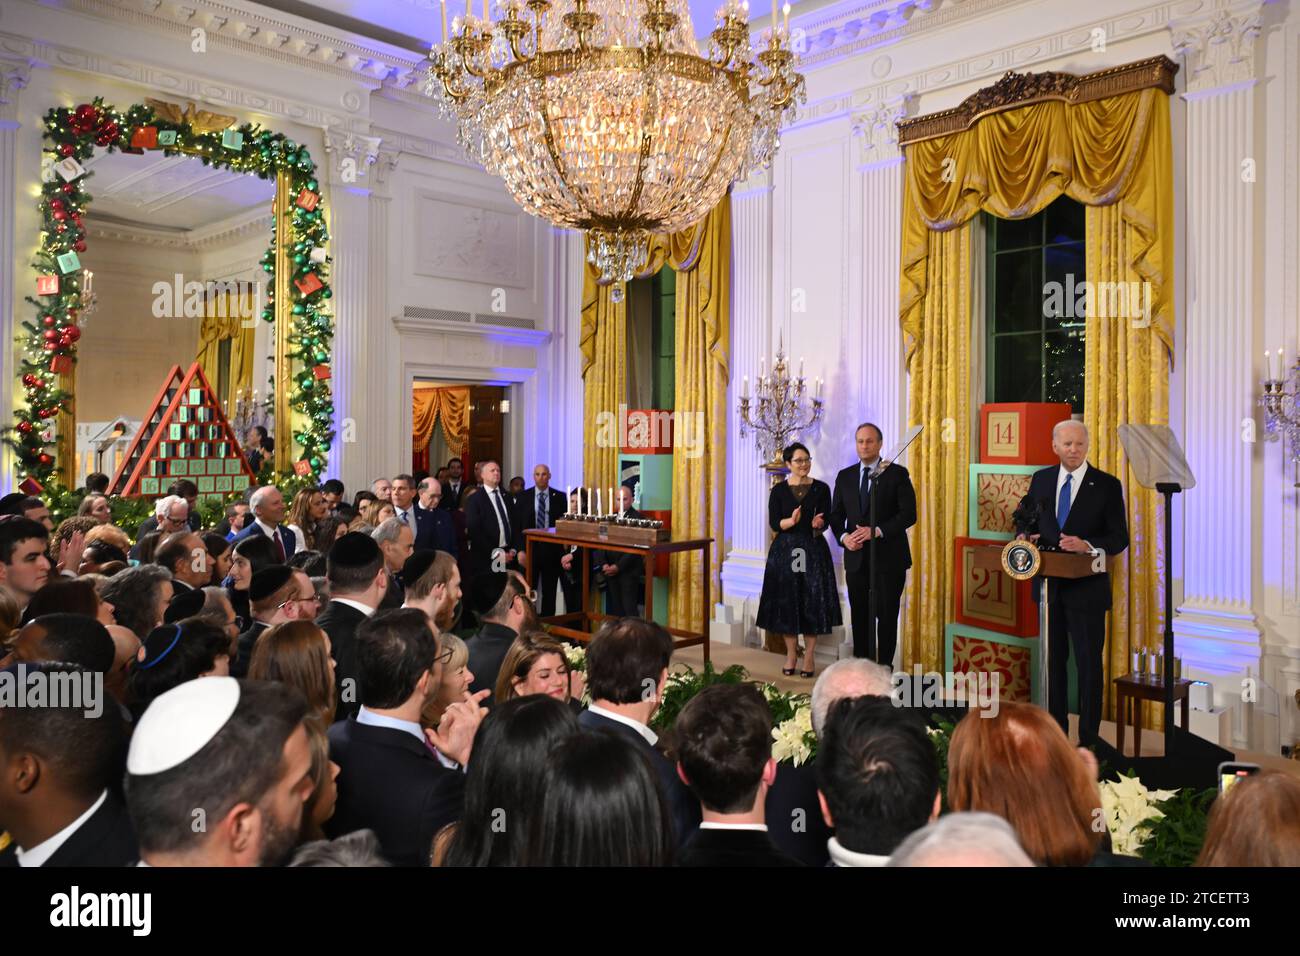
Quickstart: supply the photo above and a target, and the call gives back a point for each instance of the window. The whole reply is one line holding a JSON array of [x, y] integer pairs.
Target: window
[[1035, 339]]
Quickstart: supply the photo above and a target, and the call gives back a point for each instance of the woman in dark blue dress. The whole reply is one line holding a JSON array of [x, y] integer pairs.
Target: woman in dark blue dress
[[799, 591]]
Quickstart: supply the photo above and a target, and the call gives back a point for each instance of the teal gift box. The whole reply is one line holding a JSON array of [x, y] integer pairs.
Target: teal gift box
[[232, 139], [167, 137], [68, 262], [995, 492]]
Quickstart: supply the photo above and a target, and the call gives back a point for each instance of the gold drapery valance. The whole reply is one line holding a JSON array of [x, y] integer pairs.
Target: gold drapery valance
[[1114, 155], [450, 405], [228, 315], [701, 256]]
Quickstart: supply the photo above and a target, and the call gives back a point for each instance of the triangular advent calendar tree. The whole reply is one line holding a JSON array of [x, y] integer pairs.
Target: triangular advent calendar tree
[[185, 435]]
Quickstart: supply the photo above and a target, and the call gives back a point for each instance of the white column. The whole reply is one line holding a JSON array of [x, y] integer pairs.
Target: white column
[[14, 75], [880, 183], [556, 438], [751, 323], [1215, 625], [358, 249]]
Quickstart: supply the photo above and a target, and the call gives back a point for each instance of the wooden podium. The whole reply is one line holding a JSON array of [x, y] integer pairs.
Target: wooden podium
[[1066, 565]]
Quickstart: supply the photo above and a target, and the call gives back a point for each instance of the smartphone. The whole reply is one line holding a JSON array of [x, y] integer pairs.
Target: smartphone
[[1230, 773]]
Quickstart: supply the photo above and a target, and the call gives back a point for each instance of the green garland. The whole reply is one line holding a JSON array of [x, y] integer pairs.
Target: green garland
[[48, 342]]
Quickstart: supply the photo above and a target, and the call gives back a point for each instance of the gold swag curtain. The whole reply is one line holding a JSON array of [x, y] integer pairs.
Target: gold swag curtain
[[701, 256], [224, 317], [449, 404], [1113, 155]]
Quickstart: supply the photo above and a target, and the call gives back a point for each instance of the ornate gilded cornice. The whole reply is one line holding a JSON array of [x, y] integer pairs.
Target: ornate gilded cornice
[[1023, 89]]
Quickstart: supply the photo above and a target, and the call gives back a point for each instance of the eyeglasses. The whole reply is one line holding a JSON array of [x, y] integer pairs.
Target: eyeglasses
[[800, 461], [443, 656], [309, 599]]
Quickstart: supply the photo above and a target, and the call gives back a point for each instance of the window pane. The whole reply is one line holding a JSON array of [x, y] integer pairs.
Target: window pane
[[1065, 272], [1065, 220], [1063, 363], [1017, 233], [1017, 365], [1018, 303]]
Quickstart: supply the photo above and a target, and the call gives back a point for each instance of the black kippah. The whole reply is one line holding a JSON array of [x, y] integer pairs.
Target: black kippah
[[355, 550], [488, 589], [416, 565], [183, 605], [269, 580]]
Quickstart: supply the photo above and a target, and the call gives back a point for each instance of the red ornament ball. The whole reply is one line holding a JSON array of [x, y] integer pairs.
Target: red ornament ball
[[59, 215], [84, 118], [46, 412], [24, 427], [29, 381], [44, 459], [48, 320], [106, 133], [50, 346], [72, 333], [56, 203], [61, 227], [79, 245], [67, 149], [69, 188], [51, 335]]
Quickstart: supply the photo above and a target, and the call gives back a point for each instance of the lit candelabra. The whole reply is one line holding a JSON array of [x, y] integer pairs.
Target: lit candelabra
[[1281, 403], [781, 407]]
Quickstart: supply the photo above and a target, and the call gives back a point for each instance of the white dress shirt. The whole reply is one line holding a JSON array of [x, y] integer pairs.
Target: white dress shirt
[[842, 856], [650, 736], [874, 467], [363, 608], [408, 514], [719, 825], [38, 854], [492, 494]]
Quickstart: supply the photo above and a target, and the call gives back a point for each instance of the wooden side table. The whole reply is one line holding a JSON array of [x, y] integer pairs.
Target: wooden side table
[[1131, 691]]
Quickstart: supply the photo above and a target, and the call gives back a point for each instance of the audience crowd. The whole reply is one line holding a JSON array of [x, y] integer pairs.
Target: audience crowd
[[366, 683]]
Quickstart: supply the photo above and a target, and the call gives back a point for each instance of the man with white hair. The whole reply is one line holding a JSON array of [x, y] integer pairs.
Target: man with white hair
[[396, 541], [852, 677], [962, 839], [1079, 509], [268, 511]]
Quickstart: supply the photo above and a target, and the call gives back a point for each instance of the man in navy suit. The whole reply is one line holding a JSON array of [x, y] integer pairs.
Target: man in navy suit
[[268, 511], [539, 507], [627, 668], [1081, 509], [434, 528], [395, 778], [850, 519]]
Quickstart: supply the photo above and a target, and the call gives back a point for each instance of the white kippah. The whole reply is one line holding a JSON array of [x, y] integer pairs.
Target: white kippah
[[179, 723]]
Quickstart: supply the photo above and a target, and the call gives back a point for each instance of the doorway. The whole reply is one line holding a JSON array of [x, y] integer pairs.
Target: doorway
[[457, 420]]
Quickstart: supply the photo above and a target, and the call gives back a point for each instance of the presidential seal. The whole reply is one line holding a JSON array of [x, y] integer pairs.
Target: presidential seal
[[1021, 559]]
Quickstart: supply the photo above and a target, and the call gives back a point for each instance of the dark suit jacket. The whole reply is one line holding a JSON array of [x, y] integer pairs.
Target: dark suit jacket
[[895, 513], [794, 816], [633, 563], [287, 537], [392, 783], [526, 507], [395, 594], [732, 848], [451, 500], [239, 666], [483, 529], [106, 839], [1097, 516], [487, 649], [681, 804], [434, 530], [340, 622]]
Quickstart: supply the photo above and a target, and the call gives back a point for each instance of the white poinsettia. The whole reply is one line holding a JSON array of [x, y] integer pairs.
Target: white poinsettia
[[575, 655], [790, 738], [1125, 803]]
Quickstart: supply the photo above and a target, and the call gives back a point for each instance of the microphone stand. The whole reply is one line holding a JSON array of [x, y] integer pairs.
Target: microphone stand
[[872, 582]]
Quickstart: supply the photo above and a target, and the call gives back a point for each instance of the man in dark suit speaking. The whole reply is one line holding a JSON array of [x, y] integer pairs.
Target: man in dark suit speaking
[[850, 519], [1081, 509]]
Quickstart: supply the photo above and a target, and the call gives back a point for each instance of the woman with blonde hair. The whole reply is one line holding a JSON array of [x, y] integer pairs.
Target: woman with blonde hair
[[1019, 765], [297, 653], [307, 510], [534, 664], [110, 533], [456, 678], [1255, 823], [95, 506], [375, 513]]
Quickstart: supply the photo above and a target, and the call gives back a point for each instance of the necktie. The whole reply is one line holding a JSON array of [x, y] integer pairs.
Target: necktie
[[864, 489], [541, 510], [401, 515], [1063, 502], [279, 545], [501, 513]]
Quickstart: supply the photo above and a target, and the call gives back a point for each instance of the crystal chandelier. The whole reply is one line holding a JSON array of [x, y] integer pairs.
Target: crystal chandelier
[[602, 120]]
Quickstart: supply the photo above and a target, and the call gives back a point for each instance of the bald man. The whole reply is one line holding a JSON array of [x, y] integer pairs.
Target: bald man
[[538, 507], [1080, 509]]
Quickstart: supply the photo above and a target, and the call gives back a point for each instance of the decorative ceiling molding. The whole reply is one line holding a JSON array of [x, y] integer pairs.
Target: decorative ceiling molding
[[877, 127], [258, 30], [403, 142], [14, 75], [215, 236], [1015, 90], [177, 85], [1073, 40]]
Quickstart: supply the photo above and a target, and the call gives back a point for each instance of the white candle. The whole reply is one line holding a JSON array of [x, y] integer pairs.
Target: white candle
[[786, 11], [773, 15], [762, 368], [744, 387], [613, 503], [801, 366], [1271, 362], [443, 5], [591, 502], [598, 510], [568, 496]]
